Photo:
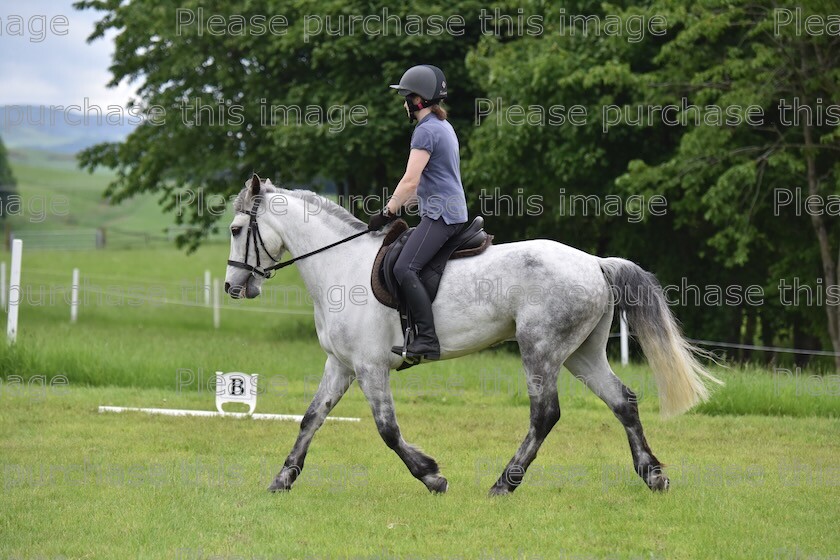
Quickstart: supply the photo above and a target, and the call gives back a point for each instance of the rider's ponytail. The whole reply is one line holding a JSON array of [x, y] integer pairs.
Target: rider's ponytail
[[439, 111]]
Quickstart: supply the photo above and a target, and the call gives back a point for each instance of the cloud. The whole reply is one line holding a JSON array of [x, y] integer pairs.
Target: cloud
[[42, 68]]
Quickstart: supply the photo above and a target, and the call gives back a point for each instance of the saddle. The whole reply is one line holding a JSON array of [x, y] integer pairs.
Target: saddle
[[470, 241]]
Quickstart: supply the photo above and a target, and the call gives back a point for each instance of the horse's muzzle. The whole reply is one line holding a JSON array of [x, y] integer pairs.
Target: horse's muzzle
[[236, 292], [248, 290]]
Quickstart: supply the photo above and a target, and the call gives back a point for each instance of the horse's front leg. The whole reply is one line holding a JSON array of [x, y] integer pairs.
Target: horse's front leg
[[374, 382], [335, 382]]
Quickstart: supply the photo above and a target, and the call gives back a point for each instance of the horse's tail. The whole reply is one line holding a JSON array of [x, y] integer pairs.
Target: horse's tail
[[680, 378]]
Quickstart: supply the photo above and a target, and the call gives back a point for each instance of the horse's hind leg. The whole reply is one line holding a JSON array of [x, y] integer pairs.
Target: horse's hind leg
[[542, 361], [335, 382], [589, 364], [374, 383]]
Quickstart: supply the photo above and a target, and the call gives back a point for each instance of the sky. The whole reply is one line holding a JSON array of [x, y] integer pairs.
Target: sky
[[55, 70]]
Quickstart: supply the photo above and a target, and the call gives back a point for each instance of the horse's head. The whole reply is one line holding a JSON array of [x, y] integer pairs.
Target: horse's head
[[254, 241]]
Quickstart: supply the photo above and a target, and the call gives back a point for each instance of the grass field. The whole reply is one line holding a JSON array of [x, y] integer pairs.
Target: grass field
[[49, 179], [84, 485], [755, 472], [58, 198]]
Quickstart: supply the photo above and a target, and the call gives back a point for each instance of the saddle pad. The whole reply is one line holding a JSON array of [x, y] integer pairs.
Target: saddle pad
[[377, 281]]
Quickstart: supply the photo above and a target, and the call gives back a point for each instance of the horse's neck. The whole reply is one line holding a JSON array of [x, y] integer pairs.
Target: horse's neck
[[305, 229]]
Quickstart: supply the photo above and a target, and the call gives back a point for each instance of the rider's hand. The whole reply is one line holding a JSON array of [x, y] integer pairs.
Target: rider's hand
[[381, 219]]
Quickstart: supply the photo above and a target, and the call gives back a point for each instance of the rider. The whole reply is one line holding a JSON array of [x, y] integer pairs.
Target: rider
[[433, 174]]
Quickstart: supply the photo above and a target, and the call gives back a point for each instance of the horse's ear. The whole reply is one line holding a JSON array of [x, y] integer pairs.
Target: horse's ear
[[255, 185]]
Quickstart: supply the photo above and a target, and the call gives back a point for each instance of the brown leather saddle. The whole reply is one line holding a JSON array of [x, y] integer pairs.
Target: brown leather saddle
[[471, 240]]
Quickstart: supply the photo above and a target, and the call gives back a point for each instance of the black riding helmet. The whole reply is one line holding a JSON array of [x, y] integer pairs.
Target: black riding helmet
[[424, 80]]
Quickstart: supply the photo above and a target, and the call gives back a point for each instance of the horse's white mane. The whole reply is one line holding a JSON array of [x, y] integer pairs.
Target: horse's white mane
[[313, 198], [330, 207]]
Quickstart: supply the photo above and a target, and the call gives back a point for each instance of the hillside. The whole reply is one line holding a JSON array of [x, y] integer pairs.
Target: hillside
[[50, 129], [62, 206]]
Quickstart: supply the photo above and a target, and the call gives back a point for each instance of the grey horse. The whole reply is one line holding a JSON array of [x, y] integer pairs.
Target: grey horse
[[557, 302]]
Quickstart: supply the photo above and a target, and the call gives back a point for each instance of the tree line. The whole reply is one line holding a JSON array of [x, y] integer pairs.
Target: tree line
[[697, 139]]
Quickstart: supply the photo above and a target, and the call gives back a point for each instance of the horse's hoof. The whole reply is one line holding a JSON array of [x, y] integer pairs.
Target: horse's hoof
[[278, 486], [282, 482], [284, 479], [438, 486], [498, 491], [659, 482]]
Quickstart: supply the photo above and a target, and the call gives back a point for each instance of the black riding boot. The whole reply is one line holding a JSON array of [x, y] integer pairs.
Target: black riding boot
[[425, 344]]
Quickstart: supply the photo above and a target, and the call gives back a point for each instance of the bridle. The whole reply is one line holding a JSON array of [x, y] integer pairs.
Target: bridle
[[254, 233]]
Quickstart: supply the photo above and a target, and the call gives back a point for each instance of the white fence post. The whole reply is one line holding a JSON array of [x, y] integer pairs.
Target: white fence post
[[3, 292], [625, 346], [207, 288], [217, 302], [14, 291], [74, 296]]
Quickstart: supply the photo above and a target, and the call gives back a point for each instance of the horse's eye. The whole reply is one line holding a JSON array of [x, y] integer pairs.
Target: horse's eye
[[235, 230]]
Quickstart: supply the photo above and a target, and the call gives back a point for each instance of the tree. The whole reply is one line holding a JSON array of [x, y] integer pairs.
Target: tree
[[735, 55], [241, 78], [530, 152], [721, 228], [573, 166]]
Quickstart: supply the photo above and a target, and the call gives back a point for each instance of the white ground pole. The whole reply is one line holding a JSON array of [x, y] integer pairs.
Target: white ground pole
[[14, 291], [3, 292], [207, 288], [74, 296], [625, 346], [217, 303], [255, 416]]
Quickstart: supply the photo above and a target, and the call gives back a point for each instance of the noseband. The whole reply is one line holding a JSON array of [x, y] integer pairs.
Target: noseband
[[254, 233]]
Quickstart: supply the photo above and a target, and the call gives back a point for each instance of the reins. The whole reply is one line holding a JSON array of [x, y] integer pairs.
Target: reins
[[280, 265], [254, 233]]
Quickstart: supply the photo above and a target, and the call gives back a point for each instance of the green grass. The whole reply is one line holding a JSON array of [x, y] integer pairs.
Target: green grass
[[50, 179], [87, 485], [56, 195]]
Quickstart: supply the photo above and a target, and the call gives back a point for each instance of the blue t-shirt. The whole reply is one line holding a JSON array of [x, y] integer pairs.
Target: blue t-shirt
[[440, 192]]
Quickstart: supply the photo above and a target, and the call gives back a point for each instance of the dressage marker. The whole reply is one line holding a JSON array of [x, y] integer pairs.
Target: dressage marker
[[237, 387]]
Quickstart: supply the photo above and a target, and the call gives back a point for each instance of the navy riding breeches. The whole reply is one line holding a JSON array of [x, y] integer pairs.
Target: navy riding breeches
[[422, 245]]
